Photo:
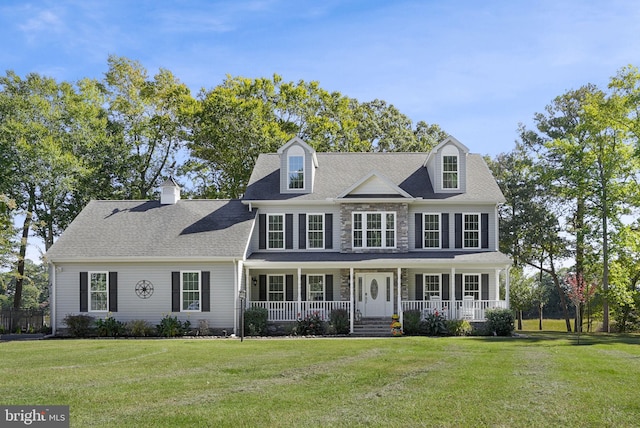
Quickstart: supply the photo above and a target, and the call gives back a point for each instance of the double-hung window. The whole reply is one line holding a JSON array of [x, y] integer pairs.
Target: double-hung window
[[296, 172], [315, 287], [472, 286], [275, 231], [449, 172], [190, 290], [432, 287], [471, 231], [276, 288], [315, 231], [374, 229], [432, 231], [98, 291]]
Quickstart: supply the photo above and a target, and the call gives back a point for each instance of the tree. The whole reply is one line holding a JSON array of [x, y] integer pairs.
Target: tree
[[521, 293]]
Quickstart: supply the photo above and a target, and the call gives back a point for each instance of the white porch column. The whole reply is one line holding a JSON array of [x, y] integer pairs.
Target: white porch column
[[352, 301], [299, 309], [497, 287], [506, 285], [452, 294], [399, 286]]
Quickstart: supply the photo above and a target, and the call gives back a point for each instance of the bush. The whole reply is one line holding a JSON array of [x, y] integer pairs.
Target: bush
[[139, 328], [411, 320], [172, 327], [109, 327], [434, 324], [500, 321], [255, 321], [458, 327], [311, 325], [78, 325], [339, 321]]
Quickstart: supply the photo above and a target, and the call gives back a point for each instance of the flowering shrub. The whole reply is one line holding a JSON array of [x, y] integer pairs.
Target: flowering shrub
[[311, 325], [434, 324]]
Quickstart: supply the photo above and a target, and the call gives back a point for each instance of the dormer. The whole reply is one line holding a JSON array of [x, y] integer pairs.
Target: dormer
[[169, 192], [447, 166], [298, 162]]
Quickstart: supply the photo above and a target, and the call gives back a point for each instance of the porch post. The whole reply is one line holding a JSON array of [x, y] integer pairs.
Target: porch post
[[399, 286], [453, 313], [506, 286], [299, 308], [497, 291], [352, 301]]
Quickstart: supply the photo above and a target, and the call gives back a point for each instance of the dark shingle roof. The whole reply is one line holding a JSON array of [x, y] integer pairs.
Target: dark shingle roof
[[338, 171], [147, 229]]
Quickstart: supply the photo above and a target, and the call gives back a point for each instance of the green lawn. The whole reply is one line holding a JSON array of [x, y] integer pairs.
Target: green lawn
[[544, 379]]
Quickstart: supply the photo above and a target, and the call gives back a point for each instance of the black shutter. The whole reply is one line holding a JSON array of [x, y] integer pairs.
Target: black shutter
[[458, 286], [328, 292], [262, 288], [445, 286], [175, 291], [419, 235], [484, 291], [113, 291], [84, 291], [458, 220], [289, 288], [262, 231], [302, 231], [484, 230], [419, 287], [206, 291], [303, 287], [444, 226], [288, 236], [328, 231]]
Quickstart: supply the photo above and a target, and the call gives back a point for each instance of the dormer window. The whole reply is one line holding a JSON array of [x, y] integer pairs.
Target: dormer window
[[295, 168], [450, 172]]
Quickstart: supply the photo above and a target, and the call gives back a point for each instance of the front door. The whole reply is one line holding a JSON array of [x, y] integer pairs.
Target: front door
[[375, 294]]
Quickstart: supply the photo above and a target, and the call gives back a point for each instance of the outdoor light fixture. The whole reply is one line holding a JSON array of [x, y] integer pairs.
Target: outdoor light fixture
[[242, 294]]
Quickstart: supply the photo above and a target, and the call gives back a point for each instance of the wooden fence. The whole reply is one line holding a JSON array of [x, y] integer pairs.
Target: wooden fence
[[21, 320]]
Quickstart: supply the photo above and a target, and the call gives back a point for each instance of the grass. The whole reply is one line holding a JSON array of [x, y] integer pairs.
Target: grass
[[553, 325], [543, 379]]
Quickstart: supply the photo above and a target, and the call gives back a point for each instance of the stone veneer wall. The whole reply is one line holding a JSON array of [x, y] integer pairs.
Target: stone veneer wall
[[402, 226]]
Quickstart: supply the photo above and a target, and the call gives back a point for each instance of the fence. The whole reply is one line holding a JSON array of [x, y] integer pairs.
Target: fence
[[21, 320]]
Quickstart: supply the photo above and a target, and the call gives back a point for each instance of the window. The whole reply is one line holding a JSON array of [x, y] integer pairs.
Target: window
[[449, 172], [315, 286], [432, 287], [315, 230], [190, 291], [98, 291], [276, 288], [432, 231], [471, 231], [374, 230], [472, 286], [296, 172], [275, 231]]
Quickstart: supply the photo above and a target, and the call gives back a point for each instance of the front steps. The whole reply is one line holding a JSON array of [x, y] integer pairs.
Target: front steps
[[372, 327]]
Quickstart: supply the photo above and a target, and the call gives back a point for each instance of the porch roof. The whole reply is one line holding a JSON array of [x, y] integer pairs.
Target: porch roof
[[460, 259]]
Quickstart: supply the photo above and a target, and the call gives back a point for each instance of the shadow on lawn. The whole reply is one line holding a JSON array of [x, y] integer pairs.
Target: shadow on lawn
[[572, 339]]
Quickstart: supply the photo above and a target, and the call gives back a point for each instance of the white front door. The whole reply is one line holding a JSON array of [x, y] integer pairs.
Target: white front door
[[375, 294]]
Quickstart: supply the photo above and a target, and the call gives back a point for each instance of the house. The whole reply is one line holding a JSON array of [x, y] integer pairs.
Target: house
[[372, 233]]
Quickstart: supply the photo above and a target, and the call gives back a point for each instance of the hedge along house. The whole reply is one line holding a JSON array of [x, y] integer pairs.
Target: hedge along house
[[371, 233]]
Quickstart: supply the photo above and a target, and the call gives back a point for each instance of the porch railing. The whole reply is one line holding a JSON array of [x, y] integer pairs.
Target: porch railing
[[472, 310], [292, 311]]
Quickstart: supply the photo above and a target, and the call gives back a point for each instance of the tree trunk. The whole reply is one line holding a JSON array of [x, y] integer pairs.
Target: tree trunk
[[519, 319], [540, 306], [26, 226]]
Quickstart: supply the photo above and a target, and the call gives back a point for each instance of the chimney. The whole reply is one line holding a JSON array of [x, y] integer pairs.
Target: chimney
[[169, 192]]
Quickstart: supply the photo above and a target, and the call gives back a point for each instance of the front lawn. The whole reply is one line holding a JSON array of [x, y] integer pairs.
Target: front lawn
[[545, 379]]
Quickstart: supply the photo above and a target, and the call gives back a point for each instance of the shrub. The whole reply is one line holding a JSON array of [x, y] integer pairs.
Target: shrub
[[311, 325], [458, 327], [172, 327], [339, 321], [434, 324], [255, 321], [139, 328], [411, 320], [109, 327], [500, 321], [78, 325]]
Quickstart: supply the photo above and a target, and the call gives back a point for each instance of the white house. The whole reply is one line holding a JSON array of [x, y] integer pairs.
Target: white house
[[371, 233]]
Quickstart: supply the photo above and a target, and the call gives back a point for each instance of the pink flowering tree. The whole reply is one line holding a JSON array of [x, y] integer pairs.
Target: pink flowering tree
[[579, 293]]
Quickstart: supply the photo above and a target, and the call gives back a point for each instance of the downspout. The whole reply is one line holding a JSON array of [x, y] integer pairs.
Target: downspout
[[52, 297]]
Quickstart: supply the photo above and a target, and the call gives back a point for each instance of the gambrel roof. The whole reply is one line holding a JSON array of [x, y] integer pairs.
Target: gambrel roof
[[148, 230], [339, 171]]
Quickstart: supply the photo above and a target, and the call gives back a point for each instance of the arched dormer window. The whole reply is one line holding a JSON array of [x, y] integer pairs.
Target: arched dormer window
[[450, 168], [295, 168]]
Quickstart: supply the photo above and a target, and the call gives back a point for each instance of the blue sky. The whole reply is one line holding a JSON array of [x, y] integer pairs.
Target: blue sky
[[476, 68]]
